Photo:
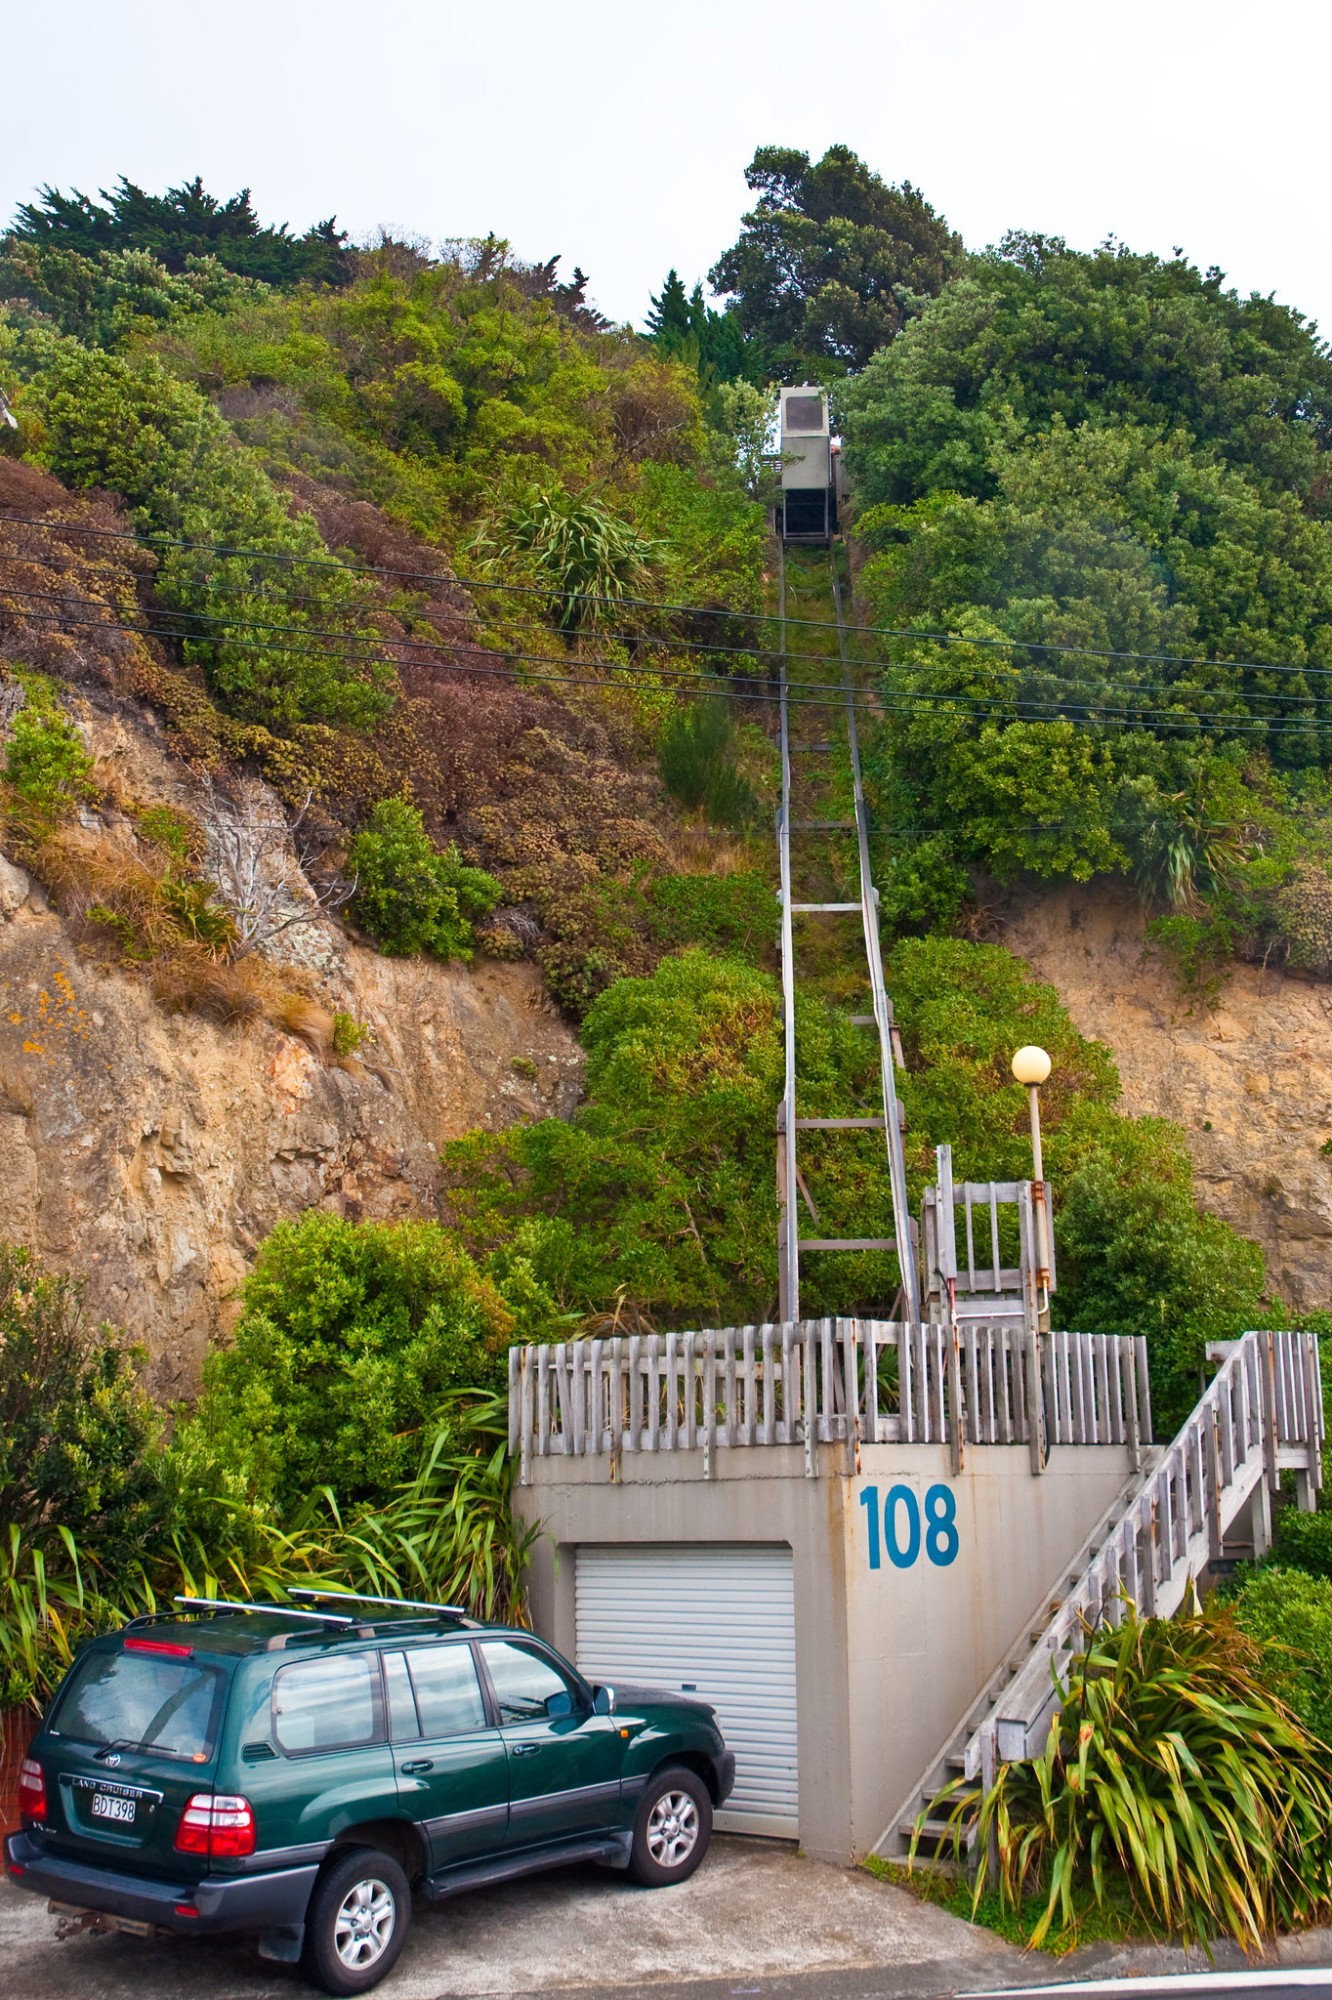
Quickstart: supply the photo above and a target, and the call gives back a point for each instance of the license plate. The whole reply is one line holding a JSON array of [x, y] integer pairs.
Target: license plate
[[105, 1805]]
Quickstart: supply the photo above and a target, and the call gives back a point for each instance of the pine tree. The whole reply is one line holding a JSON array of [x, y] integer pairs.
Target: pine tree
[[668, 324]]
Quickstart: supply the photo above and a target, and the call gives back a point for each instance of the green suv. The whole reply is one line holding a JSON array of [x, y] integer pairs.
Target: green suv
[[296, 1772]]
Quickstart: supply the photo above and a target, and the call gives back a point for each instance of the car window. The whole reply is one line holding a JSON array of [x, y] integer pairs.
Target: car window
[[328, 1704], [146, 1701], [524, 1681], [448, 1693], [403, 1724]]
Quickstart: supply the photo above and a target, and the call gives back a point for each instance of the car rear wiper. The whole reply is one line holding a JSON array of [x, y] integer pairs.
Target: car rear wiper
[[120, 1743]]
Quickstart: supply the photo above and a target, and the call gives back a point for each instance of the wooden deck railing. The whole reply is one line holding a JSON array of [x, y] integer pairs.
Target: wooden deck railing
[[825, 1381]]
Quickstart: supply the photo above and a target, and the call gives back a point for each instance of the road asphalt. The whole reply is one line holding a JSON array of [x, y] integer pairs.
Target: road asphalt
[[757, 1922]]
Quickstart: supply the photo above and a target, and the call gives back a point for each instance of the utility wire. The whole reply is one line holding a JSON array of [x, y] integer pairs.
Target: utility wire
[[552, 591], [898, 701], [508, 622], [218, 628]]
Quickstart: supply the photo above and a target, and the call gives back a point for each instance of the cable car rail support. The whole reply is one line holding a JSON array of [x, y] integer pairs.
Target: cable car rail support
[[791, 1189]]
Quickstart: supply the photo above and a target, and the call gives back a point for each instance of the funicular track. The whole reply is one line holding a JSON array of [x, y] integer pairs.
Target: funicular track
[[799, 859]]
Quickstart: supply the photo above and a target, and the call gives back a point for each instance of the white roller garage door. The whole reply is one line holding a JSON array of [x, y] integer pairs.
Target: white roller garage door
[[710, 1619]]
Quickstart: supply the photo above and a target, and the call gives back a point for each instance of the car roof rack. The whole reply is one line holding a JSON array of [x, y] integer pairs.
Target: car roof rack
[[458, 1611], [326, 1618]]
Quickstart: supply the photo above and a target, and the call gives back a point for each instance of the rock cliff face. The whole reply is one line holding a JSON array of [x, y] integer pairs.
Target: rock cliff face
[[154, 1151], [1249, 1079]]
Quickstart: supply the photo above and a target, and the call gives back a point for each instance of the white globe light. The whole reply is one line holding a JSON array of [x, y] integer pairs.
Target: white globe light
[[1031, 1065]]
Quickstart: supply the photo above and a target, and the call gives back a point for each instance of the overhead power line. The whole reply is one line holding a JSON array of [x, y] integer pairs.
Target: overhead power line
[[897, 701], [167, 621], [553, 591], [669, 643]]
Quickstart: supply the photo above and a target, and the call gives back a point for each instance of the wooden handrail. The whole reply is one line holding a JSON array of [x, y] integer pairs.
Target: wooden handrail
[[1261, 1412]]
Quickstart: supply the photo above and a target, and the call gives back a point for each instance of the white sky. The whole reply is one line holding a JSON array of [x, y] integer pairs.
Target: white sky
[[616, 131]]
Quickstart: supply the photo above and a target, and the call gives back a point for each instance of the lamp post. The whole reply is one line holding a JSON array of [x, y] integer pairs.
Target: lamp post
[[1031, 1066]]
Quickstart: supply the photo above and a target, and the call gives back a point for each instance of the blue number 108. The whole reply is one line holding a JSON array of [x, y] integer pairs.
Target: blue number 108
[[900, 1531]]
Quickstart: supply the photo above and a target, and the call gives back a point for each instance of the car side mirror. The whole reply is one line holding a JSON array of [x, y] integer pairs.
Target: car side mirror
[[603, 1701], [558, 1705]]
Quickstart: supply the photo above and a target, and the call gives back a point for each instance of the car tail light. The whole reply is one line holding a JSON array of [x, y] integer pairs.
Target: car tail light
[[218, 1825], [31, 1790], [159, 1646]]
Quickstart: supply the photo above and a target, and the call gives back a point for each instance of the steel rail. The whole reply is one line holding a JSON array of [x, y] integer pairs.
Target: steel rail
[[788, 1246], [882, 1006]]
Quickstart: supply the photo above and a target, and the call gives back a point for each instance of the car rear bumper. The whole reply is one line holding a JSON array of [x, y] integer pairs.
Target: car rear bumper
[[725, 1776], [274, 1901]]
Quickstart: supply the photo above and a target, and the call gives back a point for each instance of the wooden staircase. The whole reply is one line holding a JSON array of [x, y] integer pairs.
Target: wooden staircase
[[1192, 1506]]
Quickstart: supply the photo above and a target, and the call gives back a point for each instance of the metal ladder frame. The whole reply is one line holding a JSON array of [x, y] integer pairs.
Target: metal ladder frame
[[790, 1187]]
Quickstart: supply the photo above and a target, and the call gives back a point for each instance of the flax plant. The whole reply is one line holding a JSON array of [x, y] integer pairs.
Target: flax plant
[[446, 1534], [1171, 1763], [41, 1612]]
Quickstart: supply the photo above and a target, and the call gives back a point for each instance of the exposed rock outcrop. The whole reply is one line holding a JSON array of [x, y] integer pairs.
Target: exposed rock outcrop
[[1249, 1079], [154, 1151]]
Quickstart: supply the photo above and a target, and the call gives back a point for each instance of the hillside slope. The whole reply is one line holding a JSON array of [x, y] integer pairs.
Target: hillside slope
[[1249, 1078], [154, 1151]]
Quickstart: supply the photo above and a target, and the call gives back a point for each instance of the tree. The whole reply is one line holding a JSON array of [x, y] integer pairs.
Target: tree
[[80, 1442], [183, 223], [682, 326], [667, 322], [831, 261]]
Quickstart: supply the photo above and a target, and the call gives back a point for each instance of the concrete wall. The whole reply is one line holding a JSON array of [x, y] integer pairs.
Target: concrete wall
[[888, 1659]]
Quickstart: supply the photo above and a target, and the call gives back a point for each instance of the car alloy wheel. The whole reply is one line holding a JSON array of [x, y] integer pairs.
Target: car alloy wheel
[[364, 1924], [672, 1829]]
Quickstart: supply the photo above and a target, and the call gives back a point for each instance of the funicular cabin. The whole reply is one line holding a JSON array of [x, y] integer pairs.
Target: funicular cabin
[[808, 508]]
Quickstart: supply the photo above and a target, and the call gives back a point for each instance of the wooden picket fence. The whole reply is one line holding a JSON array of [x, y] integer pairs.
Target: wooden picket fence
[[826, 1381]]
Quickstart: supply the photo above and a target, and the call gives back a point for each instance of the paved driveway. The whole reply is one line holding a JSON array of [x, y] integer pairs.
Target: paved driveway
[[756, 1919]]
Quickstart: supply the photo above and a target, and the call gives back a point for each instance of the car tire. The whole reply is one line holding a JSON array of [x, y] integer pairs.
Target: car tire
[[357, 1922], [672, 1828]]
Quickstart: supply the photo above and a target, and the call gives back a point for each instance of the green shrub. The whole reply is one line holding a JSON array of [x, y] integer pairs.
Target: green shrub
[[409, 896], [1290, 1616], [697, 763], [593, 563], [80, 1442], [1171, 1764], [349, 1034], [353, 1336], [732, 914], [41, 1616], [256, 620], [173, 831], [1137, 1255], [46, 762], [1304, 912], [1304, 1541]]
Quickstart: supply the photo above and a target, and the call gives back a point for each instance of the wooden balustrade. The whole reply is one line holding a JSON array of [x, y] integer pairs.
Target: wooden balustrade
[[1260, 1414], [823, 1382]]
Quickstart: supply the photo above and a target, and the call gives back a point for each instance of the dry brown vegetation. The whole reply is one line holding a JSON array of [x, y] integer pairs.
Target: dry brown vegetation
[[557, 796]]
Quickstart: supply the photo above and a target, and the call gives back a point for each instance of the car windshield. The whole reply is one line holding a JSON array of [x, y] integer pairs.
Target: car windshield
[[141, 1701]]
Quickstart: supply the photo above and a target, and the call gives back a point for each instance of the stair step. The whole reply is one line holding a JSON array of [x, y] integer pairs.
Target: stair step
[[848, 1243], [840, 1124]]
